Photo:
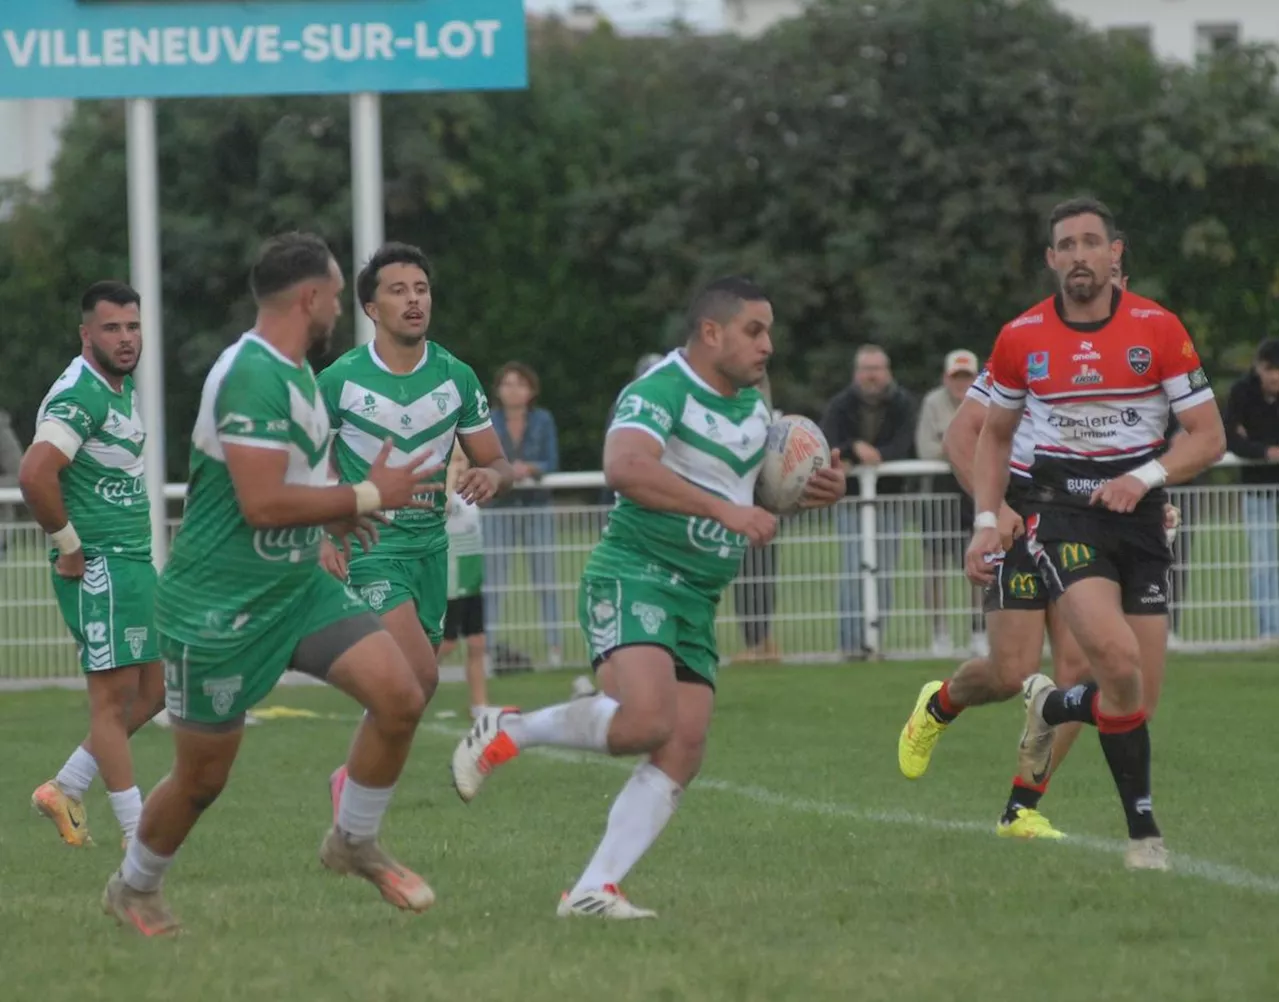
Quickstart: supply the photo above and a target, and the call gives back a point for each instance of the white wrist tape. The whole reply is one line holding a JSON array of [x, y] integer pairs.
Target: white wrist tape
[[367, 497], [1153, 474], [985, 520], [66, 539]]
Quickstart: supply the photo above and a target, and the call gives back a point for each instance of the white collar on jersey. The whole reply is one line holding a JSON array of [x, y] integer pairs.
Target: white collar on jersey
[[426, 351], [683, 362], [255, 336], [85, 364]]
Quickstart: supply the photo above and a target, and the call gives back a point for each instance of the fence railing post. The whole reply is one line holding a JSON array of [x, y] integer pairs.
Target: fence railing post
[[868, 533]]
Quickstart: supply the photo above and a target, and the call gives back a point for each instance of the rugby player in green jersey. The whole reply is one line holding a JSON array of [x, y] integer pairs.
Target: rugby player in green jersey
[[683, 451]]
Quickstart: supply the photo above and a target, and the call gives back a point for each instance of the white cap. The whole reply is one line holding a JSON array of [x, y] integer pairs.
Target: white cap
[[960, 360]]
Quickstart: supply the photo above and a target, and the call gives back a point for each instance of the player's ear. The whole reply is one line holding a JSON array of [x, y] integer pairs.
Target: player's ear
[[370, 311], [1048, 258]]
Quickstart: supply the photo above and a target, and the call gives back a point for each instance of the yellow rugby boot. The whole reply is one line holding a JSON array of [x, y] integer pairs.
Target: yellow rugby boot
[[921, 733], [1027, 823]]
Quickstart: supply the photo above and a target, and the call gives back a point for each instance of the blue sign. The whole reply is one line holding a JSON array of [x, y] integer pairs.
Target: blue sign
[[112, 49]]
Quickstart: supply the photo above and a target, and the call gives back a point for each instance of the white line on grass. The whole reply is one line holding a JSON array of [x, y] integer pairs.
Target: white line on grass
[[1217, 873]]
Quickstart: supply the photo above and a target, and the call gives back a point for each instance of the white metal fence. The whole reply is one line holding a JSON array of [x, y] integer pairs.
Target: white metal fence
[[880, 573]]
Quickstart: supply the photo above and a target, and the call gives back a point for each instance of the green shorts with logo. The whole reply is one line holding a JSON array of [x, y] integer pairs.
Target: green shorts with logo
[[386, 582], [620, 612], [215, 683], [110, 612]]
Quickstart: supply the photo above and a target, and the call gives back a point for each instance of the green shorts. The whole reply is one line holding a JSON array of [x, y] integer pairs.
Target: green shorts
[[110, 612], [621, 612], [214, 682], [386, 582]]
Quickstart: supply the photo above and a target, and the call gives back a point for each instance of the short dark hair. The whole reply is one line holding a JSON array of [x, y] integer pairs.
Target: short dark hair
[[109, 291], [287, 259], [1083, 205], [721, 300], [1268, 355], [392, 253], [525, 372]]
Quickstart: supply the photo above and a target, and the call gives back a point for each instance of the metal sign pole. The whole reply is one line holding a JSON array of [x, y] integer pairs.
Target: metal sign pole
[[367, 210], [144, 268]]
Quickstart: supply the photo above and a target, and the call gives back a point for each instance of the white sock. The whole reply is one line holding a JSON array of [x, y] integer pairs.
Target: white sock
[[143, 870], [77, 774], [360, 809], [127, 807], [636, 819], [582, 723]]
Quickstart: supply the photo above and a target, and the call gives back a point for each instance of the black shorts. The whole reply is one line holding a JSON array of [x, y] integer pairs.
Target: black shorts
[[464, 617], [1073, 547], [1018, 586]]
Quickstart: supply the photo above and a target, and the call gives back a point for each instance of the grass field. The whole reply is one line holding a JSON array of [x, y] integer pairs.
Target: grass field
[[801, 866]]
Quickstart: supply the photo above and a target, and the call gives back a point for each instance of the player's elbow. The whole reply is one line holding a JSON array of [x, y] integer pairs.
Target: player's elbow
[[32, 475], [1216, 446], [259, 512], [621, 471]]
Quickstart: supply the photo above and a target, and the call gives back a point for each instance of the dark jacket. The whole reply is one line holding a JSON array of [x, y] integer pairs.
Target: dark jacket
[[1251, 421], [540, 447], [842, 425]]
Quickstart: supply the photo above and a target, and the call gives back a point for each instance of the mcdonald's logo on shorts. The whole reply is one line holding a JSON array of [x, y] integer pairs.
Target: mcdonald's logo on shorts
[[1024, 586], [1074, 556]]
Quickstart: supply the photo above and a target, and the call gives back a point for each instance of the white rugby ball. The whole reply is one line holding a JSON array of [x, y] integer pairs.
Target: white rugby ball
[[794, 450]]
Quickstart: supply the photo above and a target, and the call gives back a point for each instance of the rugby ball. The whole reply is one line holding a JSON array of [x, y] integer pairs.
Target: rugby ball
[[794, 450]]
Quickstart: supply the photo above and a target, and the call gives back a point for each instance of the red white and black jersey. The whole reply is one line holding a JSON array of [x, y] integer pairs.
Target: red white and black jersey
[[1098, 395]]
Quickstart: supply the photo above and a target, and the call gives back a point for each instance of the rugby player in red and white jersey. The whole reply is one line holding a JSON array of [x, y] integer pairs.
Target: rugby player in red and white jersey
[[1099, 369], [1017, 611]]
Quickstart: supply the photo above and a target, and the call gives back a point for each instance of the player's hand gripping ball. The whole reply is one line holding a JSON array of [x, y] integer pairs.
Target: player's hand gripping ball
[[794, 451]]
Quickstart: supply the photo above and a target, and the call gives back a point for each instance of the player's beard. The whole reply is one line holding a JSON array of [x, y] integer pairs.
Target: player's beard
[[1077, 290], [108, 365], [319, 334]]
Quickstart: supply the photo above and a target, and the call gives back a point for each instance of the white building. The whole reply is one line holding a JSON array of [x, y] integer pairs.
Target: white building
[[31, 131], [1174, 29]]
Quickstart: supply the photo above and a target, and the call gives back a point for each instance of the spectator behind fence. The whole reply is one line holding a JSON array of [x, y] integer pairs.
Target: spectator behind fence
[[945, 520], [1251, 420], [755, 591], [528, 434], [10, 460], [870, 421]]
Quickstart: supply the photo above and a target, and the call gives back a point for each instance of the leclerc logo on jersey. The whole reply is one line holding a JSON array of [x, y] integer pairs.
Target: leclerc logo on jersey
[[1037, 366], [1140, 360]]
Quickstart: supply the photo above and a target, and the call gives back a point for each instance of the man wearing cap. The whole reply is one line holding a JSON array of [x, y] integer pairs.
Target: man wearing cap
[[944, 517]]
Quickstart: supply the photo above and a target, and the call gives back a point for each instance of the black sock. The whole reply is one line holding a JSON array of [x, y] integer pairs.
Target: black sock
[[1128, 754], [935, 710], [1020, 797], [1062, 706]]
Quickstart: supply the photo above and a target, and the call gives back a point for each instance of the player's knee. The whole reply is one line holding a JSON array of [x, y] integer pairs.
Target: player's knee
[[1116, 657], [1007, 672], [401, 706], [428, 676]]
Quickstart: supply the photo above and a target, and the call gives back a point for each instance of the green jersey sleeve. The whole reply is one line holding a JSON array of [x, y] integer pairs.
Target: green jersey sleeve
[[646, 405], [78, 410], [252, 408], [475, 405]]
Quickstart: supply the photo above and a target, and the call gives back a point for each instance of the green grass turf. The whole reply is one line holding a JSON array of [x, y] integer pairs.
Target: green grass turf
[[802, 866]]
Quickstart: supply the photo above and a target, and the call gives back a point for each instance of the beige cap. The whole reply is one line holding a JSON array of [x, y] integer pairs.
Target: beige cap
[[960, 361]]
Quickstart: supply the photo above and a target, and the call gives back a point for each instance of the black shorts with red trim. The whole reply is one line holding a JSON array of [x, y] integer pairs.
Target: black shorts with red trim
[[1131, 550]]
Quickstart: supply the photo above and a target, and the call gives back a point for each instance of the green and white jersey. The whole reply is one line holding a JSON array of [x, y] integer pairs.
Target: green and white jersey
[[466, 549], [424, 409], [226, 581], [103, 486], [713, 441]]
